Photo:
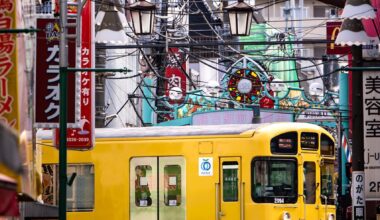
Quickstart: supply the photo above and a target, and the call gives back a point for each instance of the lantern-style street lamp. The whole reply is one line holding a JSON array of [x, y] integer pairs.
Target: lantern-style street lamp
[[142, 13], [240, 15]]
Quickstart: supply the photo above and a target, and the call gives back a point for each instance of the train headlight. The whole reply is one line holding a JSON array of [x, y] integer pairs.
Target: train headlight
[[286, 216], [331, 216]]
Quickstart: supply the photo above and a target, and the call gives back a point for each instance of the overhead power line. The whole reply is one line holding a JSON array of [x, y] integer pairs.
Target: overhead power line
[[213, 43]]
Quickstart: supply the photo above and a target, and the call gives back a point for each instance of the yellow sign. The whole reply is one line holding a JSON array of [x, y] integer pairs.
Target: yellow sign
[[8, 66]]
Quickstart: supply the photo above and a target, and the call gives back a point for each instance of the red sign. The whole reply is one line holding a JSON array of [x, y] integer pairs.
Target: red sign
[[47, 75], [83, 137], [332, 30], [176, 85]]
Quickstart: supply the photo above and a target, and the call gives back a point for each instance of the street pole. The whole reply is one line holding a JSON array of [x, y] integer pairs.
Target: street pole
[[358, 200], [63, 64]]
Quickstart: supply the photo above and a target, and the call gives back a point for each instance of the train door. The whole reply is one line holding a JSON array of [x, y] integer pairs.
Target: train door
[[157, 188], [230, 188], [310, 190]]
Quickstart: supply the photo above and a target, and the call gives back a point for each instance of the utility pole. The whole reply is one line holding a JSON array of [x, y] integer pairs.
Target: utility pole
[[358, 199], [63, 65]]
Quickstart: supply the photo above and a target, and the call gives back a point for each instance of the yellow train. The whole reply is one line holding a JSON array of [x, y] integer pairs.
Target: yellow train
[[231, 172]]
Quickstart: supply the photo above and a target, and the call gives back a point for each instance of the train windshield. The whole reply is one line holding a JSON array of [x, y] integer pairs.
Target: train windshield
[[274, 180]]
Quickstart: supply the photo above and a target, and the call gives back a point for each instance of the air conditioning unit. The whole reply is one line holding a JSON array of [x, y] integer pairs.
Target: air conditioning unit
[[331, 12]]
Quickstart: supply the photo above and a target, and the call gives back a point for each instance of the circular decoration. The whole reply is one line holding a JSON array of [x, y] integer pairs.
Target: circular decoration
[[244, 86]]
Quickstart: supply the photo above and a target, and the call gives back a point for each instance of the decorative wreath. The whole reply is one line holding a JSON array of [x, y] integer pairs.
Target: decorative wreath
[[244, 86]]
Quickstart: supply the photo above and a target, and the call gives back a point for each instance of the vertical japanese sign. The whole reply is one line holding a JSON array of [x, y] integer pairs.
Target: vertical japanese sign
[[371, 117], [358, 209], [175, 72], [332, 30], [83, 137], [8, 67], [47, 77]]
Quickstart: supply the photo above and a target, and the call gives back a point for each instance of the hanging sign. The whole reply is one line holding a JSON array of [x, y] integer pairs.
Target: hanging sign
[[83, 137], [176, 85], [47, 77]]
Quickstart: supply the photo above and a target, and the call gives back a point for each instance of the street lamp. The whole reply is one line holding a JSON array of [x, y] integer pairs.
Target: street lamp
[[352, 33], [142, 13], [240, 16], [110, 24]]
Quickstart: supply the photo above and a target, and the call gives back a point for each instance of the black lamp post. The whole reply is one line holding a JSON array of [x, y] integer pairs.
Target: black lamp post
[[142, 13], [240, 16]]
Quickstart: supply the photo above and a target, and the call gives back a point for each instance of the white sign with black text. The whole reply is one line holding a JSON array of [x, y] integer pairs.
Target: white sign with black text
[[371, 124]]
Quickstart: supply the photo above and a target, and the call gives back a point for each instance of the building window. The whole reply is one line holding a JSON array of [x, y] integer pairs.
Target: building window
[[323, 11]]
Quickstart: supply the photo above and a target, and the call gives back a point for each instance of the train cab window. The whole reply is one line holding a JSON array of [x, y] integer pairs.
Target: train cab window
[[284, 143], [274, 180], [80, 193], [327, 182], [142, 182], [172, 185], [309, 182], [327, 146], [309, 141], [230, 181]]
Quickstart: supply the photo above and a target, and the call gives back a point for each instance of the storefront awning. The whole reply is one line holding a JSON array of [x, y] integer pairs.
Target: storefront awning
[[8, 197]]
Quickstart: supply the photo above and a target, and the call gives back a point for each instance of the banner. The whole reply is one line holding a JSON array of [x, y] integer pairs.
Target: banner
[[47, 76]]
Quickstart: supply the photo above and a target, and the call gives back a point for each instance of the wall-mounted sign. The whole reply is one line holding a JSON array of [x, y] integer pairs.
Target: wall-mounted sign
[[8, 66], [371, 123], [332, 30], [47, 77]]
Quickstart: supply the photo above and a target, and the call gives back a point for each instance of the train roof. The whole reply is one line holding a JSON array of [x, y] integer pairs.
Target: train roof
[[203, 130]]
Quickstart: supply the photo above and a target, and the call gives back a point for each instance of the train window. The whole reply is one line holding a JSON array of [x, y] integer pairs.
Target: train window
[[274, 180], [327, 182], [309, 141], [230, 181], [172, 184], [142, 183], [309, 182], [80, 194], [327, 146], [284, 143]]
